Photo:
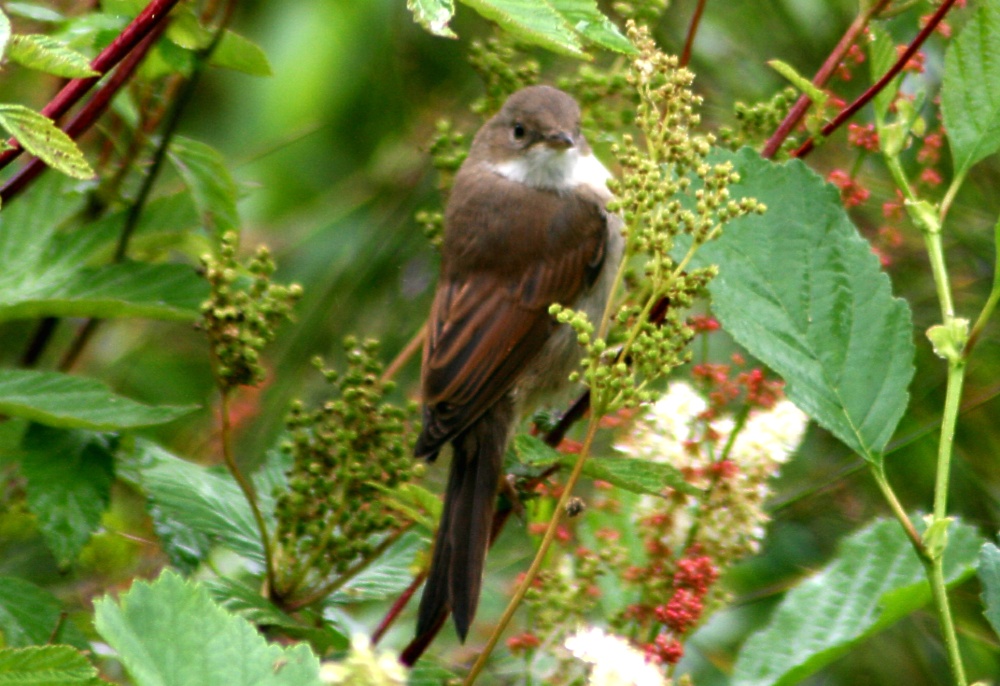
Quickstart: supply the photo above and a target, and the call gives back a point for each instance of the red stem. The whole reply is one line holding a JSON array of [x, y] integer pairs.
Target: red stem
[[692, 31], [879, 85], [827, 69], [88, 114], [150, 17]]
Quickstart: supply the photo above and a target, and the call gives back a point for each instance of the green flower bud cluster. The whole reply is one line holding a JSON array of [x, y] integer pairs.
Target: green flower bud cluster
[[496, 61], [607, 101], [449, 149], [243, 312], [562, 596], [755, 122], [346, 454], [668, 191]]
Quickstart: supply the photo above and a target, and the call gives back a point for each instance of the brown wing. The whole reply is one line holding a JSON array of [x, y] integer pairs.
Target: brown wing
[[486, 325]]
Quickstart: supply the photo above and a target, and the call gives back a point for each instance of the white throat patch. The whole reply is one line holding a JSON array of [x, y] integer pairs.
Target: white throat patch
[[557, 170]]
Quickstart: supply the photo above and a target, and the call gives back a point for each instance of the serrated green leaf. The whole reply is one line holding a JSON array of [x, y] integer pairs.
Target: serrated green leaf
[[585, 17], [248, 603], [634, 475], [45, 271], [241, 54], [204, 500], [801, 290], [532, 450], [874, 580], [171, 632], [46, 54], [970, 89], [69, 475], [882, 55], [426, 673], [205, 173], [4, 33], [433, 15], [989, 577], [74, 402], [28, 613], [533, 21], [46, 666], [43, 139]]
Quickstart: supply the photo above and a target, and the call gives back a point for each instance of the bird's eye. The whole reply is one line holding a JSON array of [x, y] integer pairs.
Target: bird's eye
[[518, 131]]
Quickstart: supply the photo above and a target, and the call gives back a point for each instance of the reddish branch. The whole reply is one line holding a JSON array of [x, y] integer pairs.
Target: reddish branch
[[827, 69], [880, 85], [89, 113], [151, 17], [692, 32]]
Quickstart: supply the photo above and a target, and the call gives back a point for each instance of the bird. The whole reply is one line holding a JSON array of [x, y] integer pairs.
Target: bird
[[526, 226]]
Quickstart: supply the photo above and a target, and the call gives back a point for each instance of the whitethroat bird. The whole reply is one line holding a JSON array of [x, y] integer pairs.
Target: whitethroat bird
[[525, 227]]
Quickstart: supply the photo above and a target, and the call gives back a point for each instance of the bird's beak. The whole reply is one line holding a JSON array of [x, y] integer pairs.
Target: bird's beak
[[560, 140]]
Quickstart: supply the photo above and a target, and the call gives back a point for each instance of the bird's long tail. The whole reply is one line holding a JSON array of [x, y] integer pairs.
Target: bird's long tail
[[463, 536]]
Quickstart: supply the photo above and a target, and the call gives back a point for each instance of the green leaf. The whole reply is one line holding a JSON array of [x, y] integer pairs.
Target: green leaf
[[29, 614], [989, 577], [30, 10], [533, 21], [205, 173], [433, 15], [426, 673], [586, 19], [240, 54], [815, 93], [800, 289], [44, 53], [186, 31], [874, 580], [43, 139], [46, 666], [45, 271], [171, 632], [4, 33], [634, 475], [970, 89], [387, 576], [74, 402], [203, 500], [69, 476], [882, 55], [248, 603]]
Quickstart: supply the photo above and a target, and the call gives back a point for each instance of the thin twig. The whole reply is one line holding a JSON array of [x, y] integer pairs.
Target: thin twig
[[408, 351], [692, 32]]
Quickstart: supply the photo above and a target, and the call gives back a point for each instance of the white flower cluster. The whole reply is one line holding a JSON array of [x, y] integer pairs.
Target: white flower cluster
[[732, 520], [363, 667], [613, 660]]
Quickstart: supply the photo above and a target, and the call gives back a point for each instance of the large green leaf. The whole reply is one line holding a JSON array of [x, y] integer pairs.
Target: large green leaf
[[74, 402], [46, 666], [42, 138], [386, 577], [206, 174], [44, 53], [534, 21], [69, 475], [970, 90], [989, 577], [801, 290], [46, 271], [206, 501], [171, 632], [874, 580]]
